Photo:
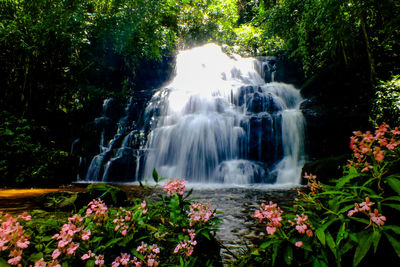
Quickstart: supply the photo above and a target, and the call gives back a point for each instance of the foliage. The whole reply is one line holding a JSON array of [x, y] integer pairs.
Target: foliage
[[349, 221], [149, 233], [24, 158], [387, 101], [320, 33]]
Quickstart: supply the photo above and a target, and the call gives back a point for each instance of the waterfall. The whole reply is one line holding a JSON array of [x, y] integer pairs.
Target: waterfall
[[216, 121]]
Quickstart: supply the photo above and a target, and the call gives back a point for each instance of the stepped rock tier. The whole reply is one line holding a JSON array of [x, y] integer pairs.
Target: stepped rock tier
[[216, 121]]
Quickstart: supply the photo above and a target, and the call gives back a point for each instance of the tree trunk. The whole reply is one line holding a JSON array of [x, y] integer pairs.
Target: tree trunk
[[371, 61]]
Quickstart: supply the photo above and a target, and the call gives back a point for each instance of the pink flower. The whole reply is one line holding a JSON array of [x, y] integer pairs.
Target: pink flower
[[15, 261], [396, 131], [22, 243], [86, 235], [71, 249], [25, 216], [40, 263], [301, 228], [271, 230], [299, 244], [125, 258], [200, 213], [99, 260], [309, 232], [85, 257], [377, 218], [175, 186], [143, 206], [365, 206], [272, 214], [55, 254], [54, 263]]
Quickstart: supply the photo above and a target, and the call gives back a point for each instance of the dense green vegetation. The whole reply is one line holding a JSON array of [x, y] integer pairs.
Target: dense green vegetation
[[61, 58], [168, 230]]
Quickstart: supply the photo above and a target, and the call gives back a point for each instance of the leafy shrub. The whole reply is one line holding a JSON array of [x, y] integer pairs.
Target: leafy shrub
[[352, 220], [24, 157], [171, 231], [387, 101]]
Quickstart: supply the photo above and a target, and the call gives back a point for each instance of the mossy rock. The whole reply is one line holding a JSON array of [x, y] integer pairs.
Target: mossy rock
[[326, 168], [111, 195], [57, 201]]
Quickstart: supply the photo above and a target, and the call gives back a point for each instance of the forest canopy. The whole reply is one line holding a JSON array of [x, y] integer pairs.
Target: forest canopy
[[61, 58]]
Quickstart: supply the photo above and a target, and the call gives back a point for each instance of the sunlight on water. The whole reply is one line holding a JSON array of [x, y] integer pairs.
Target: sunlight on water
[[219, 122]]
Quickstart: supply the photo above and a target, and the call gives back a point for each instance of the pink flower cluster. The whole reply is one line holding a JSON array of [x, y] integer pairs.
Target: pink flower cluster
[[271, 214], [74, 229], [375, 146], [13, 237], [143, 207], [175, 186], [187, 247], [125, 260], [98, 259], [43, 263], [99, 209], [200, 213], [312, 183], [302, 225], [365, 207], [122, 221], [149, 254]]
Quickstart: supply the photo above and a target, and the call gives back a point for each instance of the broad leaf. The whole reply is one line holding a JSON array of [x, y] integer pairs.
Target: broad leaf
[[330, 242], [394, 183], [288, 254], [376, 236], [395, 243], [364, 244], [394, 228], [320, 235], [155, 175]]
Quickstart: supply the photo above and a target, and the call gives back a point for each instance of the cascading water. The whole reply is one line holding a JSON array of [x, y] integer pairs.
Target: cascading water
[[217, 121]]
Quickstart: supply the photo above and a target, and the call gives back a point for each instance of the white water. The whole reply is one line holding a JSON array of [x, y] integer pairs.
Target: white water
[[218, 121]]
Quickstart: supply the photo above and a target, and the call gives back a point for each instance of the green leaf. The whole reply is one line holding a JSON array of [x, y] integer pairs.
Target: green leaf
[[392, 198], [346, 208], [90, 263], [394, 228], [393, 206], [345, 179], [4, 263], [64, 264], [319, 263], [364, 244], [206, 235], [326, 225], [275, 251], [8, 132], [346, 247], [35, 257], [395, 243], [342, 234], [394, 183], [320, 235], [376, 236], [288, 254], [330, 242], [361, 220], [267, 244], [155, 175]]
